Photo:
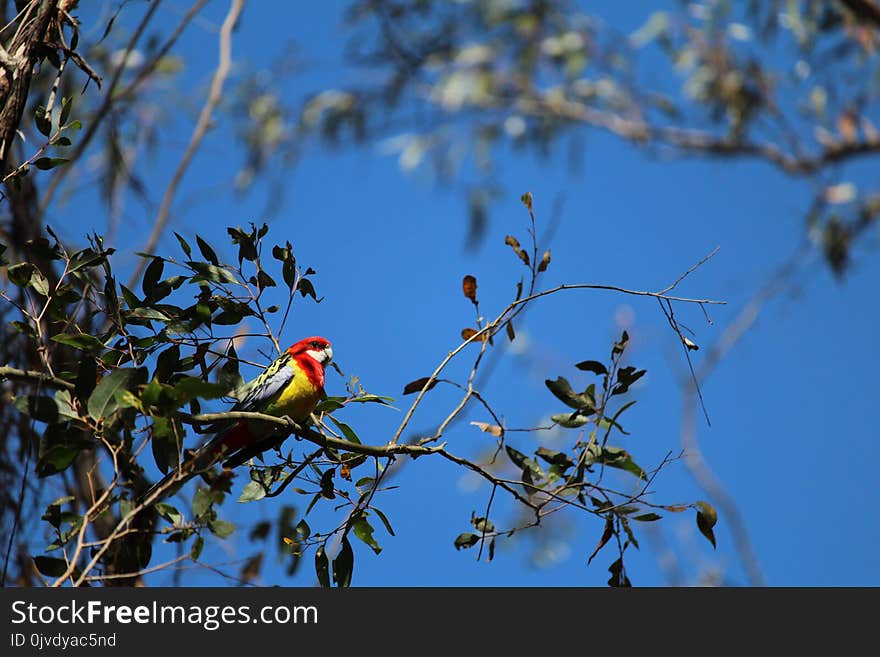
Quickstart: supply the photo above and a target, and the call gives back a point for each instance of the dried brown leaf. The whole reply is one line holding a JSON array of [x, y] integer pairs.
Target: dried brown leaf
[[542, 266], [492, 429], [469, 287], [418, 384], [468, 333]]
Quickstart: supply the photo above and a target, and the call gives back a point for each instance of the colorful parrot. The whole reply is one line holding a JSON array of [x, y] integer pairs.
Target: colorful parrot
[[290, 386]]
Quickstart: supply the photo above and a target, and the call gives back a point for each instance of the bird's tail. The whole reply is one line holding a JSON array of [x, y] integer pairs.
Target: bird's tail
[[195, 463]]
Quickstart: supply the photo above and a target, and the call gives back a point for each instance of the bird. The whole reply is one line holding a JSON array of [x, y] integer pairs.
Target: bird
[[290, 387]]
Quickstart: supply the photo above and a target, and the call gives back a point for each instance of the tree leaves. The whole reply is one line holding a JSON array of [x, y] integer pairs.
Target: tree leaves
[[513, 243], [103, 399], [592, 366], [221, 528], [492, 429], [607, 533], [706, 519], [253, 490], [615, 457], [545, 261], [207, 252], [562, 390], [343, 565], [418, 384], [469, 288], [626, 376], [465, 540], [50, 566], [322, 567], [364, 531]]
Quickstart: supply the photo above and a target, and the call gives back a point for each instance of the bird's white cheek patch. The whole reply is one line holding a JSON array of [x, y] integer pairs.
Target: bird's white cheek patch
[[324, 356]]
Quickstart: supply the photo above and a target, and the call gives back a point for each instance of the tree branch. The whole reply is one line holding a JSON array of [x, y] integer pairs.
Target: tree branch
[[202, 125], [34, 377], [639, 131]]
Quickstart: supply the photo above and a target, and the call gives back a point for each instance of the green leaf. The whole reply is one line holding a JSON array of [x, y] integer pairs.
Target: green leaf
[[82, 341], [46, 163], [252, 492], [202, 501], [618, 575], [592, 366], [561, 388], [303, 531], [570, 420], [465, 540], [615, 457], [167, 363], [554, 458], [322, 567], [102, 401], [707, 516], [626, 376], [221, 528], [66, 106], [264, 280], [57, 458], [152, 274], [524, 463], [518, 458], [329, 405], [40, 408], [306, 289], [209, 272], [607, 533], [168, 512], [384, 520], [620, 411], [40, 283], [343, 565], [327, 484], [647, 517], [166, 442], [184, 245], [618, 347], [197, 547], [21, 273], [50, 566], [207, 252], [191, 387], [371, 399], [44, 123], [85, 259], [364, 531], [346, 430]]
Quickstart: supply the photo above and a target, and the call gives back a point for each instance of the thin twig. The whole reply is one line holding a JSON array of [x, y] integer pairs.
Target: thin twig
[[214, 96]]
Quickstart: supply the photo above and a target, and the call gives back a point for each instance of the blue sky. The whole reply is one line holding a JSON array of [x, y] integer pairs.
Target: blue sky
[[793, 435]]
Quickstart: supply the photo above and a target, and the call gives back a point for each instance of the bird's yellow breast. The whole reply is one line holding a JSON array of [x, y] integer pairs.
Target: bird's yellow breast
[[298, 398]]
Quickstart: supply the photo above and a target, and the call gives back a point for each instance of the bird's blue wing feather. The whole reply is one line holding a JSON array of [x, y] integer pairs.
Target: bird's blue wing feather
[[256, 393]]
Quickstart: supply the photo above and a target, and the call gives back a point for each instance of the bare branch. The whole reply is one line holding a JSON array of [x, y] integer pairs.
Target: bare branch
[[202, 125], [34, 377]]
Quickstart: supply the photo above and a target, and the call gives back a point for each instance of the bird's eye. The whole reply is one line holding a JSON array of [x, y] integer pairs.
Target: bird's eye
[[316, 345]]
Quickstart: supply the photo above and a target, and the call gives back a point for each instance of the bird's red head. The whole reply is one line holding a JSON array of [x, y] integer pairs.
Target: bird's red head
[[315, 347]]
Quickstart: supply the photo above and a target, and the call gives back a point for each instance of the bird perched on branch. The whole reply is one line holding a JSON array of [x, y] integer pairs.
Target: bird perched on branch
[[290, 386]]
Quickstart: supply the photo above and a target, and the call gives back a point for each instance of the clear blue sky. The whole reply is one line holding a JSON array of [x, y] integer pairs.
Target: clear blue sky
[[793, 434]]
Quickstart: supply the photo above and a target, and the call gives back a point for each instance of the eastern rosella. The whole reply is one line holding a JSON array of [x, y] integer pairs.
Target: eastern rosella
[[290, 386]]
